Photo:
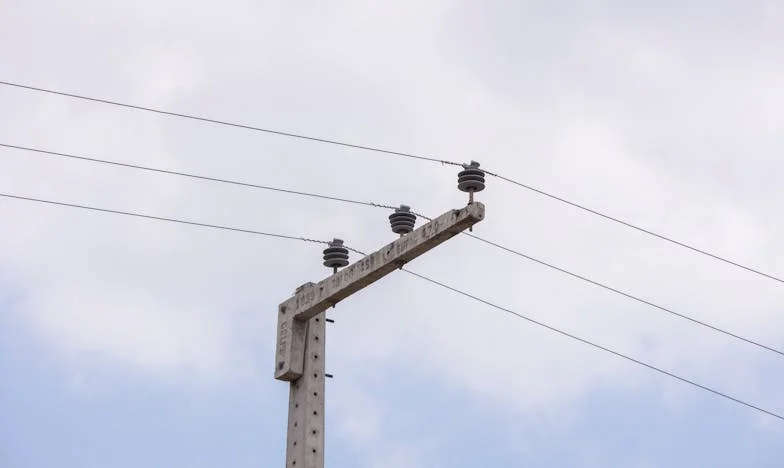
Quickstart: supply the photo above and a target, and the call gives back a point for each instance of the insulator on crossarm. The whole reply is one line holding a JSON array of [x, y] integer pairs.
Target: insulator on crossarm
[[402, 220], [335, 256], [471, 179]]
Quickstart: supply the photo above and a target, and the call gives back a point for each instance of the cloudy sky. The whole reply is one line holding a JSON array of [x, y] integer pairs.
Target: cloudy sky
[[127, 342]]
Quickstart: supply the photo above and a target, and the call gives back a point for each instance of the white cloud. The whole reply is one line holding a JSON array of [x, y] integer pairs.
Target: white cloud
[[662, 129]]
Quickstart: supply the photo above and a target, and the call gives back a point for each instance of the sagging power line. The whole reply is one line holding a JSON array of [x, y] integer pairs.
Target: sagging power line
[[462, 292], [496, 174], [167, 219], [504, 248]]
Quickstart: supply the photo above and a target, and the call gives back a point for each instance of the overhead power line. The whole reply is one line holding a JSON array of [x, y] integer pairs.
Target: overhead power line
[[599, 347], [629, 296], [386, 206], [232, 124], [432, 281], [171, 220], [192, 176], [638, 228], [410, 156]]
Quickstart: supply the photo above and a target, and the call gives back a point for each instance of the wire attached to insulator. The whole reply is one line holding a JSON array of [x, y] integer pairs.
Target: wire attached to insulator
[[471, 179], [335, 256], [402, 220]]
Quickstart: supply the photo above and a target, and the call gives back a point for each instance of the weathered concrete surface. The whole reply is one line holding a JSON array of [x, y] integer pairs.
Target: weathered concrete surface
[[305, 440], [314, 298]]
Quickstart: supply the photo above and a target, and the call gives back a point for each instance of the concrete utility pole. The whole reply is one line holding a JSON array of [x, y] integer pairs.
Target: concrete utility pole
[[299, 355]]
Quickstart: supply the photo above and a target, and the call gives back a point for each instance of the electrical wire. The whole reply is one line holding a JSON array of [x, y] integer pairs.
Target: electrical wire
[[629, 296], [428, 279], [231, 124], [386, 206], [171, 220], [411, 156], [598, 346], [637, 228], [192, 176]]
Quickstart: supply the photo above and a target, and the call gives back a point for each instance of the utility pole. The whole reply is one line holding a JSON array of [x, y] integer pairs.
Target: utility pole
[[299, 354]]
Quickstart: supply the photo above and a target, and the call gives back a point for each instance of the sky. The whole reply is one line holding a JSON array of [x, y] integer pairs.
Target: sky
[[127, 342]]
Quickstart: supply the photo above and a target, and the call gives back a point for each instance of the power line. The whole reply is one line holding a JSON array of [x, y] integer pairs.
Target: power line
[[406, 155], [232, 124], [598, 346], [637, 228], [171, 220], [192, 176], [627, 295], [438, 283], [381, 205]]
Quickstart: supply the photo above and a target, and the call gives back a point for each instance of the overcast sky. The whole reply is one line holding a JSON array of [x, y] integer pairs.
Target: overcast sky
[[127, 342]]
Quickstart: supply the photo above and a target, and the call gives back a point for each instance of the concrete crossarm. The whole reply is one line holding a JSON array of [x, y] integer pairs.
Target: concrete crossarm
[[315, 298], [312, 299]]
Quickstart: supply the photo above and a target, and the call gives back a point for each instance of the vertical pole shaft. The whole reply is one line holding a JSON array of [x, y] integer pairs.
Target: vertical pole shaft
[[305, 441]]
